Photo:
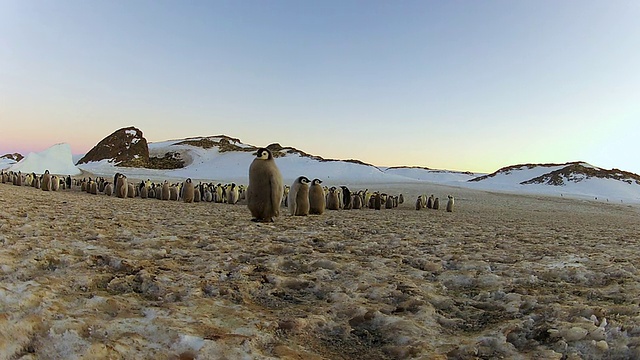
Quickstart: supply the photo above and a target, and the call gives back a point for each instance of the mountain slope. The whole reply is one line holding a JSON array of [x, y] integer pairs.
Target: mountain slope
[[222, 158], [124, 147], [226, 159], [574, 178]]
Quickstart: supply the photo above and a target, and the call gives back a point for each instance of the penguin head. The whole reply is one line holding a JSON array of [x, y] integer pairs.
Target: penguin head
[[316, 182], [303, 180], [263, 154], [188, 180], [46, 171]]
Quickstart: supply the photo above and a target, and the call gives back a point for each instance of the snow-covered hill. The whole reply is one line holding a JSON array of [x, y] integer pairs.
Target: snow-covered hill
[[206, 159], [432, 175], [57, 159], [576, 179], [226, 159]]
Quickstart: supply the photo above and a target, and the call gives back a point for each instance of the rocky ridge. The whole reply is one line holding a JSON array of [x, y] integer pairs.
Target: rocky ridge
[[576, 171], [124, 147], [15, 157]]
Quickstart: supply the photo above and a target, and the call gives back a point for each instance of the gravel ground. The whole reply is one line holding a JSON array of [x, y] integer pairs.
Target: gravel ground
[[503, 276]]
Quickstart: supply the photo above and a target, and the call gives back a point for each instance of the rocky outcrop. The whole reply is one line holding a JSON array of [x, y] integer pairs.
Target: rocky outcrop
[[576, 172], [15, 157], [562, 174], [125, 147]]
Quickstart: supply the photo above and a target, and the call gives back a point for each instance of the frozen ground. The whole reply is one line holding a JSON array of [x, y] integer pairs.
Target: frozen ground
[[503, 276]]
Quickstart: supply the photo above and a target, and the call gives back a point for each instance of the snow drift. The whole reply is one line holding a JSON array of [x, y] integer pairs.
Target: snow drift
[[57, 159]]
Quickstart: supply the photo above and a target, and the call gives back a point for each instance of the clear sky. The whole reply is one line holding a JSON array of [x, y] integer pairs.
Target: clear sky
[[461, 85]]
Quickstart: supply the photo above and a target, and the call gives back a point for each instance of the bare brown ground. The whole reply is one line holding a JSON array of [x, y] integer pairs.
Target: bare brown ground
[[503, 276]]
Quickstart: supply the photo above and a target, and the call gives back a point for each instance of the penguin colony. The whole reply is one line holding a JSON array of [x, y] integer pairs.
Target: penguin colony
[[264, 196]]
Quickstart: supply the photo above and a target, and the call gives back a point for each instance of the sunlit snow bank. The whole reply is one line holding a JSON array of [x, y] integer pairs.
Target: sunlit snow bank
[[233, 166], [57, 159], [592, 188], [6, 163]]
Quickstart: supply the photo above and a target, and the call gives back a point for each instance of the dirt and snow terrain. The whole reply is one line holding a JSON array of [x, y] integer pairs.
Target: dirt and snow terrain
[[504, 276]]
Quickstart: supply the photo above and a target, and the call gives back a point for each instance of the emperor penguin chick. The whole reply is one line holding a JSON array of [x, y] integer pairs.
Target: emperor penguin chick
[[122, 188], [317, 202], [131, 190], [389, 203], [233, 195], [265, 187], [333, 199], [346, 198], [46, 181], [94, 188], [108, 189], [188, 191], [450, 204], [165, 191], [55, 183], [144, 192], [299, 197]]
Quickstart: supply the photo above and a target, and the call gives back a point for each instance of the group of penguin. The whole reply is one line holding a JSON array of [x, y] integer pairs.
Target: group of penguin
[[306, 197], [46, 181], [265, 195], [433, 203], [186, 191]]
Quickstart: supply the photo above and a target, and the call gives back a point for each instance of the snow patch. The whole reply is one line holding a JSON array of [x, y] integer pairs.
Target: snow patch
[[57, 159]]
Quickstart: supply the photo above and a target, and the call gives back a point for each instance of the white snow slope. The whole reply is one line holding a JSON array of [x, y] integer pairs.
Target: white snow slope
[[57, 159], [211, 165], [233, 166], [5, 163], [578, 186]]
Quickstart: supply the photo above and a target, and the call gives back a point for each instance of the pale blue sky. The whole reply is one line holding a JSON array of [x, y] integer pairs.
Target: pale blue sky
[[464, 85]]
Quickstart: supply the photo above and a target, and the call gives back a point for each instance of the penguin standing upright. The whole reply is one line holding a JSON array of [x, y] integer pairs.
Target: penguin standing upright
[[356, 201], [346, 198], [436, 204], [188, 191], [430, 202], [55, 183], [122, 187], [165, 191], [333, 199], [108, 189], [131, 190], [46, 181], [115, 182], [264, 194], [377, 201], [450, 203], [317, 201], [232, 194], [389, 203], [93, 189], [144, 192], [298, 202]]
